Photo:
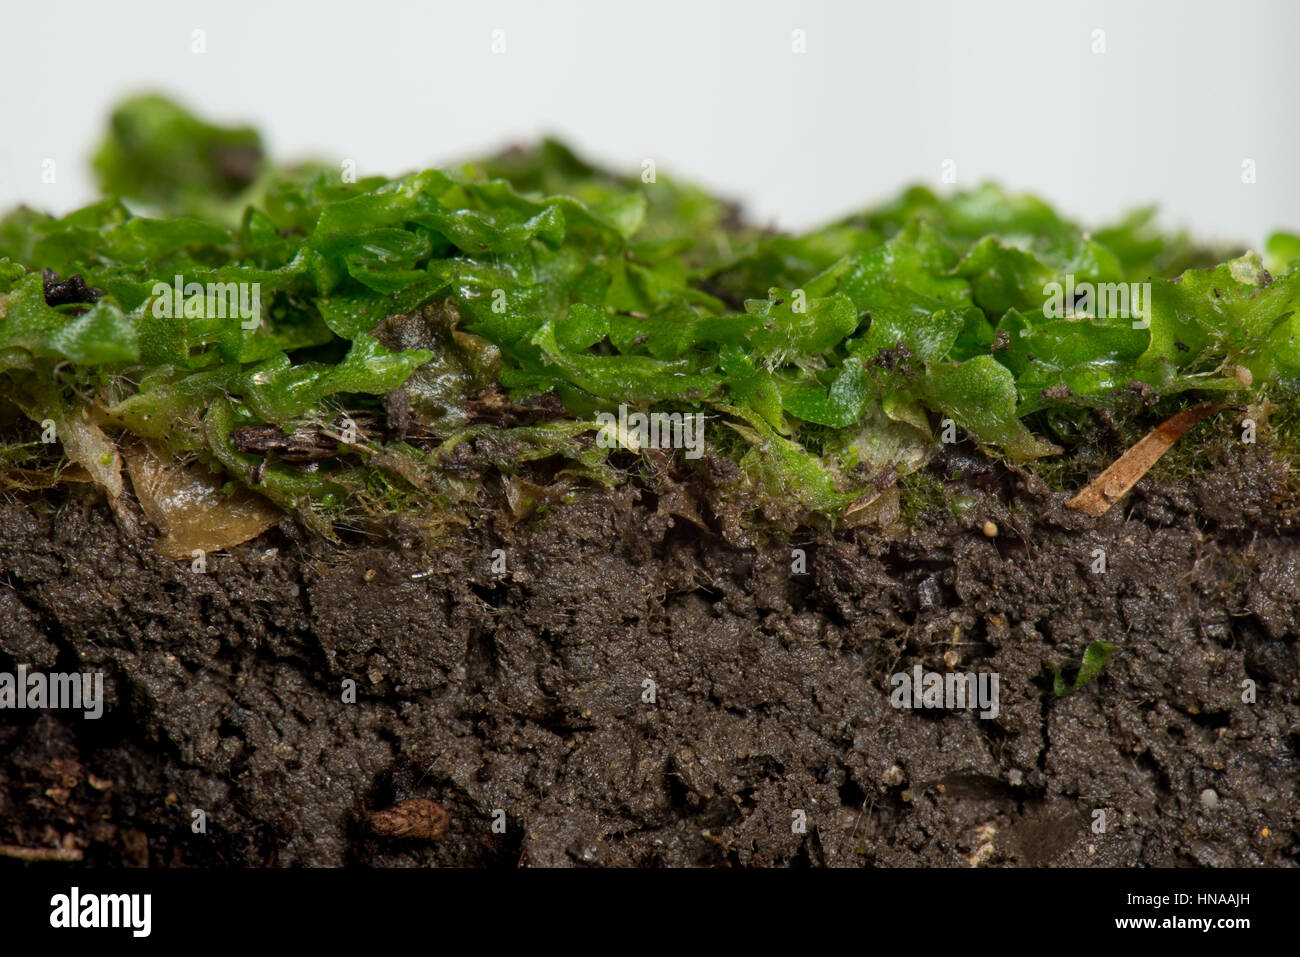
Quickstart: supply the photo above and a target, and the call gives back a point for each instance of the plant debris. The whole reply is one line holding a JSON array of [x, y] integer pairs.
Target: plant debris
[[64, 854], [1095, 658], [1114, 483], [413, 819]]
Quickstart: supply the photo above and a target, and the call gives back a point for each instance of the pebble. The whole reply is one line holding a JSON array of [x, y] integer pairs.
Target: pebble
[[1209, 797]]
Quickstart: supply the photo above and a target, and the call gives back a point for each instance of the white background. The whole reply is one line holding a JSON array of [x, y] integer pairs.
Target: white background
[[711, 90]]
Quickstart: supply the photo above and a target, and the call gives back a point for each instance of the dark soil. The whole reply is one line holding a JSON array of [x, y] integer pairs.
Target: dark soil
[[525, 692]]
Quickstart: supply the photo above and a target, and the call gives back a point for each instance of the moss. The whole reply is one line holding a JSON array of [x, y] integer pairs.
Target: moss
[[922, 492], [489, 324]]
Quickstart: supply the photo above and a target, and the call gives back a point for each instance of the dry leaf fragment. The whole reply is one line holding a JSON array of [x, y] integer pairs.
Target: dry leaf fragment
[[1114, 483], [189, 507]]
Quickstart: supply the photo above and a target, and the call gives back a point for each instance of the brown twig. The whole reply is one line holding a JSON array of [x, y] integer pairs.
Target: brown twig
[[1114, 483], [70, 854]]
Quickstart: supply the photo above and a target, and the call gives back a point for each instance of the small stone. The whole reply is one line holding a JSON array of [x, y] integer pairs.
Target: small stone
[[135, 847], [1210, 797], [929, 593]]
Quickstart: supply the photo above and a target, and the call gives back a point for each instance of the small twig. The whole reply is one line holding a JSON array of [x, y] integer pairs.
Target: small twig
[[1114, 483], [40, 853]]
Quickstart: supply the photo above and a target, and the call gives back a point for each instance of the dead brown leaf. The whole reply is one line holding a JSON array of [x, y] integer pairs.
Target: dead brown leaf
[[1114, 483]]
